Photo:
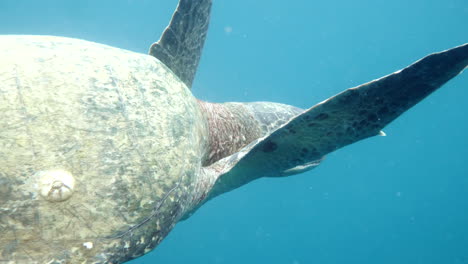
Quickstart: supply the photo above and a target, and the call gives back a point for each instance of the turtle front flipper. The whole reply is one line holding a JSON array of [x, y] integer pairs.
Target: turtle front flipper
[[181, 44], [348, 117]]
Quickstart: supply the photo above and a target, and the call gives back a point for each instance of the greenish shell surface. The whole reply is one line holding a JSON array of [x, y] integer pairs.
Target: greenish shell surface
[[120, 125]]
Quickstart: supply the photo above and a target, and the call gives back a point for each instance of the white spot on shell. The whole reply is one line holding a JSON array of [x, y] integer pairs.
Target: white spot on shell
[[88, 245], [55, 185]]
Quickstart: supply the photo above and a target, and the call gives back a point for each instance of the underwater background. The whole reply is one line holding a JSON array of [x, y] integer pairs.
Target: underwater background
[[396, 199]]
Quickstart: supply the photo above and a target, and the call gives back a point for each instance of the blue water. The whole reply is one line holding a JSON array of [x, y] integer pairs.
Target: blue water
[[396, 199]]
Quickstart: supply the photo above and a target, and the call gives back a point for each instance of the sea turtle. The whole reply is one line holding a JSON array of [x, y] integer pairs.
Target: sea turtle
[[103, 151]]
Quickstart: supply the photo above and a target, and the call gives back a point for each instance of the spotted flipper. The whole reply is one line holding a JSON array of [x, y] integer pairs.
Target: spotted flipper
[[181, 44], [348, 117]]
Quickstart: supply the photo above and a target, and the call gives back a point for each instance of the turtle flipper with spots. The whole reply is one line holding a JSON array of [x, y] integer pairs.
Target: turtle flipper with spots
[[352, 115], [103, 151]]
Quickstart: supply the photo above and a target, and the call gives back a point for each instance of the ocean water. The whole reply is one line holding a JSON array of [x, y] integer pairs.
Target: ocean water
[[396, 199]]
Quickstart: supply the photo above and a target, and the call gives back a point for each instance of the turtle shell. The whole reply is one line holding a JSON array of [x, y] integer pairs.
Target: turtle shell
[[99, 151]]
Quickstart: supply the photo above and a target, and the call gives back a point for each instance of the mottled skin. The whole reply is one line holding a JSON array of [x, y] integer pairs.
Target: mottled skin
[[231, 126], [181, 44], [355, 114], [143, 152]]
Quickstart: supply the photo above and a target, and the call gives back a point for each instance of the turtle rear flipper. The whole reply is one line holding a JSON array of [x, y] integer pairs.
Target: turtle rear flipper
[[348, 117]]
